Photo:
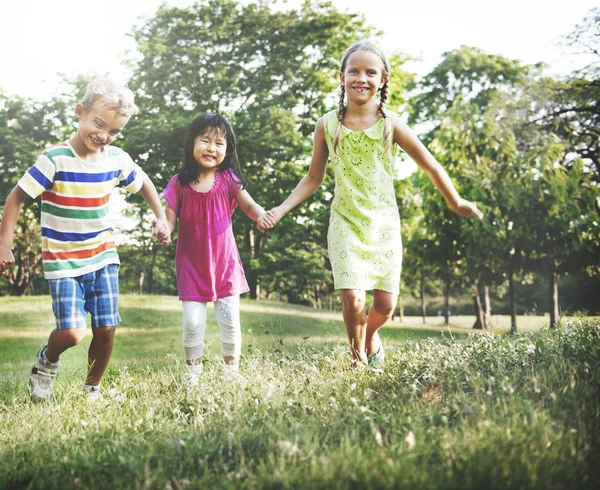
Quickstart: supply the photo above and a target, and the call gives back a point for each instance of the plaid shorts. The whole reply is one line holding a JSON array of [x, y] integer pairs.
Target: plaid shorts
[[95, 292]]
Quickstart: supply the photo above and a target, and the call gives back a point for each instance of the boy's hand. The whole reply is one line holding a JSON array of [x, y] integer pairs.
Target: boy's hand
[[161, 231], [466, 208], [266, 221], [6, 259]]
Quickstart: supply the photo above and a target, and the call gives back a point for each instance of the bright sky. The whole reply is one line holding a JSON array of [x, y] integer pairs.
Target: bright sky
[[41, 39]]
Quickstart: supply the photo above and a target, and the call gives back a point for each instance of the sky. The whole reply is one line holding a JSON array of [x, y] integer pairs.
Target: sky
[[41, 39]]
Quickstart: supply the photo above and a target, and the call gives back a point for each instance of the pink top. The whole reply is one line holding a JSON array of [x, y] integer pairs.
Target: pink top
[[207, 261]]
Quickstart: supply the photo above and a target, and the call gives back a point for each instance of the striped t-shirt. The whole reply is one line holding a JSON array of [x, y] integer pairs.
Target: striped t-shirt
[[76, 234]]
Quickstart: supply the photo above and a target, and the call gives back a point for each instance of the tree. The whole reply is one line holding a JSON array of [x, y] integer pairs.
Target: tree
[[270, 72], [26, 128], [571, 108]]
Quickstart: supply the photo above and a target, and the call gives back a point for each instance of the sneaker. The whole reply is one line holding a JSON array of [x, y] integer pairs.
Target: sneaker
[[41, 379], [231, 372], [376, 360], [92, 392]]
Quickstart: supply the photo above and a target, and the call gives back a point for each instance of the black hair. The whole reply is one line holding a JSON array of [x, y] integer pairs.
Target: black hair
[[210, 122]]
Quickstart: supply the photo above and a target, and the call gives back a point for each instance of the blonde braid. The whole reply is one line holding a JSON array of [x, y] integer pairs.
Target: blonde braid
[[340, 115], [387, 133]]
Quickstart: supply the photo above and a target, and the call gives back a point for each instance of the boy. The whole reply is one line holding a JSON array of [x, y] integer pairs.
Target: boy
[[75, 180]]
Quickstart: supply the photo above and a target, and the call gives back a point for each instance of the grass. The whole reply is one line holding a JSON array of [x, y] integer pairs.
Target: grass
[[451, 409]]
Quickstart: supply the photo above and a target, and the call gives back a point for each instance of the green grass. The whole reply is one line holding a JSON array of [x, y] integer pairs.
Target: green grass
[[451, 409]]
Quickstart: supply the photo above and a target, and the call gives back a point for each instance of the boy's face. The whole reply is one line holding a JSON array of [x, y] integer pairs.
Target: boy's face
[[97, 128]]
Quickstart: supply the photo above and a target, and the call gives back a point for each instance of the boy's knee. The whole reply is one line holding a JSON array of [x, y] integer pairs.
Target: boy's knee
[[72, 335], [104, 334]]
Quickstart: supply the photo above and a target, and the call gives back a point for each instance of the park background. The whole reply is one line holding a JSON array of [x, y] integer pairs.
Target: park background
[[520, 138], [452, 407]]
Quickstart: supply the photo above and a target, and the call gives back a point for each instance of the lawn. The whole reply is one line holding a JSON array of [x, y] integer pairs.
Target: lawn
[[450, 409]]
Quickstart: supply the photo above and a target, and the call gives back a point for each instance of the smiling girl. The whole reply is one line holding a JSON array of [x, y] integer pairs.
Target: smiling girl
[[360, 139], [203, 197]]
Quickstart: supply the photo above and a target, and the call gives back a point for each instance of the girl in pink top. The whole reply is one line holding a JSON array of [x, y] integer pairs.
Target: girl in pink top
[[203, 197]]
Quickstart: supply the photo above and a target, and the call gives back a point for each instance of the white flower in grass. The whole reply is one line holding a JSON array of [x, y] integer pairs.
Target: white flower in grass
[[288, 448], [410, 440]]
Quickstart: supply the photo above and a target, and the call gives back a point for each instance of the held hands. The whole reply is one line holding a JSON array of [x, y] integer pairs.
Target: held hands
[[161, 231], [466, 208], [268, 220]]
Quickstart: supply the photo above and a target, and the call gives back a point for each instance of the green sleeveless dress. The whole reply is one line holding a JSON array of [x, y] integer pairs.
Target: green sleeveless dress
[[364, 242]]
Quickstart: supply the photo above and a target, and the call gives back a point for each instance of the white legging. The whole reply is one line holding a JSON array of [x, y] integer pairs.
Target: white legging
[[227, 311]]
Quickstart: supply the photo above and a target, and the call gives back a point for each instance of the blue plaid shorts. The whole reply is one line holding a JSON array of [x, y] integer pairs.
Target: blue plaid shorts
[[95, 292]]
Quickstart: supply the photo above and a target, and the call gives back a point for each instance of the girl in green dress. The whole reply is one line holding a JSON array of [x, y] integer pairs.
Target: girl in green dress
[[360, 139]]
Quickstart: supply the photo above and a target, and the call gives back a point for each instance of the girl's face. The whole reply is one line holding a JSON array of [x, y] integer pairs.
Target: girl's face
[[210, 149], [363, 76]]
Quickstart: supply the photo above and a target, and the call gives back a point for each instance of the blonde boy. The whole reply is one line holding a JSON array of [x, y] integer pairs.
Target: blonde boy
[[75, 180]]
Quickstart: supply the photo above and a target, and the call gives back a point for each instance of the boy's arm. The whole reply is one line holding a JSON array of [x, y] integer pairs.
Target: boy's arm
[[12, 210], [410, 143], [148, 192]]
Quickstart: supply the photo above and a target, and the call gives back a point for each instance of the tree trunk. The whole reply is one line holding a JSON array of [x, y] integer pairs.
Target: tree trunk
[[487, 307], [482, 306], [512, 302], [553, 297], [151, 271], [251, 275], [423, 305], [447, 303], [141, 282], [478, 325]]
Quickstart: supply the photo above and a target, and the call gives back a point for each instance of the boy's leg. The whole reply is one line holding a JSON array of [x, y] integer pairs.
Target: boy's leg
[[102, 301], [99, 354], [227, 311], [68, 307], [379, 313], [353, 312], [61, 340], [194, 328]]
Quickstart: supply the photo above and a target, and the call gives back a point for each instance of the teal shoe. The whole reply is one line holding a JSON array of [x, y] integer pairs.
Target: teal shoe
[[376, 360]]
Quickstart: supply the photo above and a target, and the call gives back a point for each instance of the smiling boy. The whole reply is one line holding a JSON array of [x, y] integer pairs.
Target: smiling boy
[[75, 180]]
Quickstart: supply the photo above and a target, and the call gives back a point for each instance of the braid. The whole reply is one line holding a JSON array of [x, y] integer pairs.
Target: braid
[[340, 115], [387, 133]]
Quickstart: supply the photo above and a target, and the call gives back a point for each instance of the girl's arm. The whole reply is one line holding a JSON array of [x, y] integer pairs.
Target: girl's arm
[[249, 205], [410, 143], [311, 181]]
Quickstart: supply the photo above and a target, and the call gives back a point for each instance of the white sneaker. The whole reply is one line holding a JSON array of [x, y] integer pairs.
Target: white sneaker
[[231, 372], [41, 379], [92, 392]]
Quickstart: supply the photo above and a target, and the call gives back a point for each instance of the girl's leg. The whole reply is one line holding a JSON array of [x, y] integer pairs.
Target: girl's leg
[[379, 313], [353, 312], [99, 353], [194, 328], [227, 311]]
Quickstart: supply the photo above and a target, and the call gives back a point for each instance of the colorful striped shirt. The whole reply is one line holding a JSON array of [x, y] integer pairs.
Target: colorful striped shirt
[[76, 233]]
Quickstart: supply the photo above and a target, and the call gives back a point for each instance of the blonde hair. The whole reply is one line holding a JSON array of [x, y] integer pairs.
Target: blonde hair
[[371, 47], [116, 96]]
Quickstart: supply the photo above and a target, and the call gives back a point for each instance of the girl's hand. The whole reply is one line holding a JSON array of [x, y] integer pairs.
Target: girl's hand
[[269, 219], [161, 231], [466, 208]]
